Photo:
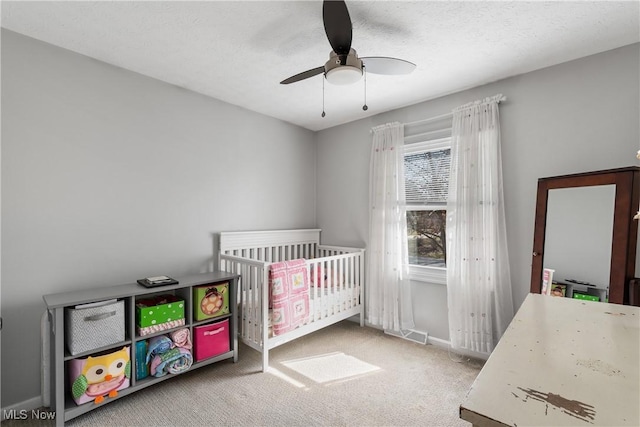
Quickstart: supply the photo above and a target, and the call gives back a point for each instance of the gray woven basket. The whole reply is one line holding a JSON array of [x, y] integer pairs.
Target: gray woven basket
[[88, 329]]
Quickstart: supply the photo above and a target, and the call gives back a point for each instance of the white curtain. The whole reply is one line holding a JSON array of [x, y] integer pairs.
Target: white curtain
[[388, 298], [478, 277]]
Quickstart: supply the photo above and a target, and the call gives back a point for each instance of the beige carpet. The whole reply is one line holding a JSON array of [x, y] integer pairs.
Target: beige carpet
[[344, 375]]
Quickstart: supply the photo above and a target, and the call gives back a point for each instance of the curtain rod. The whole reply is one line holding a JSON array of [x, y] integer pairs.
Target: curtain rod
[[448, 115], [499, 97]]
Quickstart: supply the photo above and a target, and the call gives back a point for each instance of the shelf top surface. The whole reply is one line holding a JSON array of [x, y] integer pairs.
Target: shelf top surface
[[82, 296], [563, 362]]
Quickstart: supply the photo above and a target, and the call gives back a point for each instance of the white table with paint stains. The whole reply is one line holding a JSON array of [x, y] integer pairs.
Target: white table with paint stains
[[561, 362]]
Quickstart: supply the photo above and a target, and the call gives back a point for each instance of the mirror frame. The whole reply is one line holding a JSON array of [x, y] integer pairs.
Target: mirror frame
[[625, 228]]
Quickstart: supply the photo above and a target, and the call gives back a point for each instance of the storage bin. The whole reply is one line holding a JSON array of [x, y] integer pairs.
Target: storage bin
[[585, 297], [91, 326], [211, 301], [90, 381], [160, 309], [159, 327], [211, 340]]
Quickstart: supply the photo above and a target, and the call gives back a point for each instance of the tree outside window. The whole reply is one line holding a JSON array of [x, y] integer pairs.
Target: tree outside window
[[427, 182], [427, 237]]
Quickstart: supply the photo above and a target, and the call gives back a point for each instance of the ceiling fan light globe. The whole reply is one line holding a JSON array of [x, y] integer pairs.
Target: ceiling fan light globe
[[343, 75]]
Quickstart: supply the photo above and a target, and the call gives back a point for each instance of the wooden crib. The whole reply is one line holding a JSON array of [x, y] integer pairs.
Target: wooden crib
[[336, 275]]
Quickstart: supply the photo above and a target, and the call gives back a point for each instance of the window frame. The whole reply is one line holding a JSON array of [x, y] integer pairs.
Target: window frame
[[423, 273]]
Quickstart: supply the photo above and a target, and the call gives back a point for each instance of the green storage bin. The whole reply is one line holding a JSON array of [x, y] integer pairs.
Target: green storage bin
[[585, 297], [149, 315], [211, 301]]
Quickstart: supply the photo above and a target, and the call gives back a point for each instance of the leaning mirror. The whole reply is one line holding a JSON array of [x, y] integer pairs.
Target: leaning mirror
[[584, 231]]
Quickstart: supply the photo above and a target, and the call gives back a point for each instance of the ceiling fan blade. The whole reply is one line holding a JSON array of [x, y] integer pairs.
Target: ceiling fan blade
[[337, 25], [303, 75], [386, 65]]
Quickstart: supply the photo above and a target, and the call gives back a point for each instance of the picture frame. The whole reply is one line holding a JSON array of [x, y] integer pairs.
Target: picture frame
[[547, 280]]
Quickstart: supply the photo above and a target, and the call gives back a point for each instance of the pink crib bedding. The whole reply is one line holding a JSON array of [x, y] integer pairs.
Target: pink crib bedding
[[289, 295]]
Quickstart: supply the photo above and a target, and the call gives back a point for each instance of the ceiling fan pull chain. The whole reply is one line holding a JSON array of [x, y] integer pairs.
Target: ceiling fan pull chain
[[323, 113], [364, 107]]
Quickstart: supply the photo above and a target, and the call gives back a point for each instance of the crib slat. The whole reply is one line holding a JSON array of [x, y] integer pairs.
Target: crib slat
[[351, 279], [322, 291], [336, 285], [251, 305], [313, 277]]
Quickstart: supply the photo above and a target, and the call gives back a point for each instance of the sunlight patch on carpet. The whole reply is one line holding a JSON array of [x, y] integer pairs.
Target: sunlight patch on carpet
[[283, 376], [331, 367]]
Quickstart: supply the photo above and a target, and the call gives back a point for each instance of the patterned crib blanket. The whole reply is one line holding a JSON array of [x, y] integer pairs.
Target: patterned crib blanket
[[174, 361], [158, 345], [169, 355], [289, 295]]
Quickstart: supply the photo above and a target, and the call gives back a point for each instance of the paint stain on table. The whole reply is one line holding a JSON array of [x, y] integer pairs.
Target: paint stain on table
[[574, 408]]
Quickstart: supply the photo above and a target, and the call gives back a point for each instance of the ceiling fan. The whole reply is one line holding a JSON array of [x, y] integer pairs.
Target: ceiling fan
[[344, 66]]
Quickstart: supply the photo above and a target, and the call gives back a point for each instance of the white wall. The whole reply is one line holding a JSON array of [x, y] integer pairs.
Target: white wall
[[109, 176], [574, 117]]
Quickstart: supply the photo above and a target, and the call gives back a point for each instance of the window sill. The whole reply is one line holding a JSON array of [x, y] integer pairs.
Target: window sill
[[435, 275]]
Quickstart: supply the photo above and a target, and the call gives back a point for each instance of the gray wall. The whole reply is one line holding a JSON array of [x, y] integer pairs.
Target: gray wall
[[574, 117], [109, 176]]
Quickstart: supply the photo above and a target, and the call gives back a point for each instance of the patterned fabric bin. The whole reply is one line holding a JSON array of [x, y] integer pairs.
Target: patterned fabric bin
[[159, 309], [91, 326], [211, 301], [98, 377], [159, 327], [585, 297]]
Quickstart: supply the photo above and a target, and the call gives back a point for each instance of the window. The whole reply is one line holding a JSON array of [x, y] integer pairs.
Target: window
[[427, 184]]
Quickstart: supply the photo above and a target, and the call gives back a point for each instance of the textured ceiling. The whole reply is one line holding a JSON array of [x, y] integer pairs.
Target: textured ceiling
[[239, 51]]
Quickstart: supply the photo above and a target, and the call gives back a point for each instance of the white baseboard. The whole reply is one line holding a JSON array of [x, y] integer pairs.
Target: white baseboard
[[447, 344], [439, 342], [26, 405]]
